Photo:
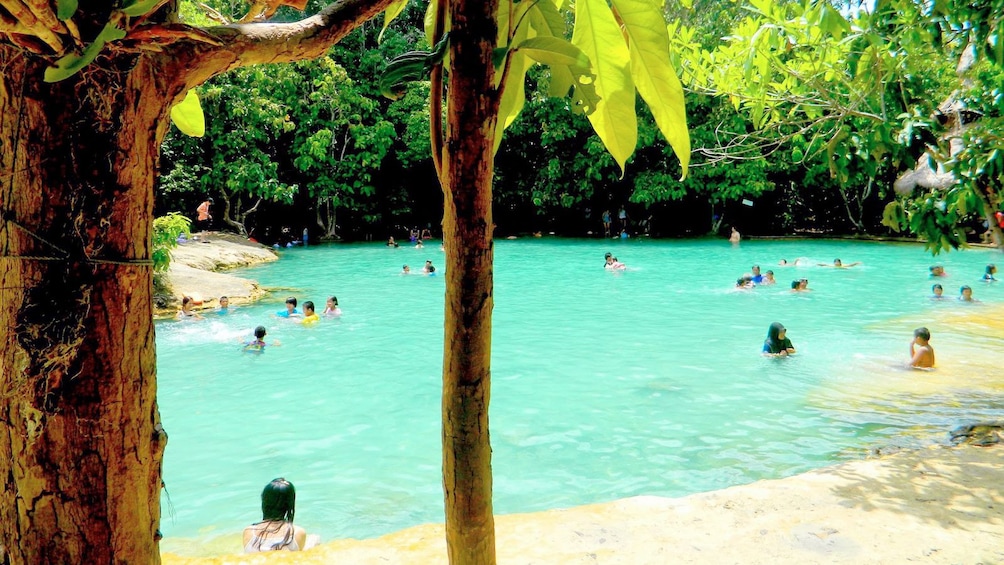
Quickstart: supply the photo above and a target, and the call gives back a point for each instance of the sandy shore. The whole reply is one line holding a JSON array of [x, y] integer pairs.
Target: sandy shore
[[195, 267], [936, 505]]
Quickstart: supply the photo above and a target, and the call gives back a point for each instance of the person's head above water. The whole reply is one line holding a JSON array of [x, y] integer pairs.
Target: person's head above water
[[259, 332], [775, 331], [308, 307], [291, 301], [837, 263], [278, 501], [922, 333]]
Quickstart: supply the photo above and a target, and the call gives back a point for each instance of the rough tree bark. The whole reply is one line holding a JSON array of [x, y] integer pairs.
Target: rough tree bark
[[468, 162], [80, 442]]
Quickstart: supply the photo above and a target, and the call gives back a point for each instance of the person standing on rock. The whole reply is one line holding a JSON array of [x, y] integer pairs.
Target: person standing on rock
[[203, 218]]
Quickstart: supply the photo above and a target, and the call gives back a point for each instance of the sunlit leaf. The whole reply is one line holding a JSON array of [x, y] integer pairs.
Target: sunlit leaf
[[392, 11], [553, 51], [188, 115], [655, 79], [598, 35]]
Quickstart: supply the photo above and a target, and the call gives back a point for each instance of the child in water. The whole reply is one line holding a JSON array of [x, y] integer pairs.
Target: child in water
[[257, 345], [777, 343], [309, 316], [921, 352], [936, 292], [966, 294], [988, 276], [332, 309]]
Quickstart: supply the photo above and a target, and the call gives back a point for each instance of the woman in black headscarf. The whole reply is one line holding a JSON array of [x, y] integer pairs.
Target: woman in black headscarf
[[776, 343]]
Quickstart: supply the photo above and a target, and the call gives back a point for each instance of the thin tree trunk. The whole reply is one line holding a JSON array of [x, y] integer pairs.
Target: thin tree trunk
[[472, 111], [80, 441]]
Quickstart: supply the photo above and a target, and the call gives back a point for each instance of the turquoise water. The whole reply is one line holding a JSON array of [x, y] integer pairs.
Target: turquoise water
[[605, 385]]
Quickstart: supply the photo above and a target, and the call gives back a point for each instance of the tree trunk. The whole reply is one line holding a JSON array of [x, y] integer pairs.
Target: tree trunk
[[472, 111], [81, 442]]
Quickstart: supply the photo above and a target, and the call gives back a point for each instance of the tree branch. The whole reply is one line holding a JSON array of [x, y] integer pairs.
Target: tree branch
[[241, 45]]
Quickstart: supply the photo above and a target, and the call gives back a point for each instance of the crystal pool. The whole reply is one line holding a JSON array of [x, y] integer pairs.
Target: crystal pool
[[604, 385]]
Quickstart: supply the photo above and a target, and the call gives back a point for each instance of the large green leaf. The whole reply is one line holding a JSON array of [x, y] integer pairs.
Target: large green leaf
[[188, 116], [597, 34], [138, 7], [392, 11], [553, 51], [653, 75], [69, 65]]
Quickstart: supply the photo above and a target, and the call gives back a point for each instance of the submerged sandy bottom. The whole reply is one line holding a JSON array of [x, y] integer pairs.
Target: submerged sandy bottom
[[937, 505]]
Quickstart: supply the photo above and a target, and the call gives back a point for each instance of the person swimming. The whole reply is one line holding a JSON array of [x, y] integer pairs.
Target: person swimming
[[988, 276], [937, 292], [777, 343], [257, 345]]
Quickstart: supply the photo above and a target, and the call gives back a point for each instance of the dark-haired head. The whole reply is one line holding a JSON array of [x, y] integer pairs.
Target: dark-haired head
[[991, 269], [291, 300], [259, 332], [774, 331], [937, 286], [334, 299], [794, 284], [186, 300], [308, 305], [278, 501], [922, 333]]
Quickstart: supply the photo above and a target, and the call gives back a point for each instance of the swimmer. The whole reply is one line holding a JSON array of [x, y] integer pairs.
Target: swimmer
[[257, 345], [224, 306], [937, 292], [988, 276], [777, 343], [768, 278], [800, 285], [428, 268], [756, 277], [186, 311], [966, 294], [745, 282], [837, 263], [391, 242], [921, 352], [290, 311], [418, 244], [309, 316], [406, 270], [937, 271], [331, 309], [613, 264]]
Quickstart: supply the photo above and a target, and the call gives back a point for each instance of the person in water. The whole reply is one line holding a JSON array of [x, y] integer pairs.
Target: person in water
[[937, 292], [756, 276], [777, 343], [611, 262], [224, 306], [921, 352], [406, 270], [309, 315], [837, 263], [186, 311], [331, 309], [745, 282], [257, 345], [276, 531], [938, 271], [290, 311], [768, 278], [391, 242], [966, 294], [988, 276]]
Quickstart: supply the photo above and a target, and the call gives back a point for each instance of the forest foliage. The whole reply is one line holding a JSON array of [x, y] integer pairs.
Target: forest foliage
[[809, 111]]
